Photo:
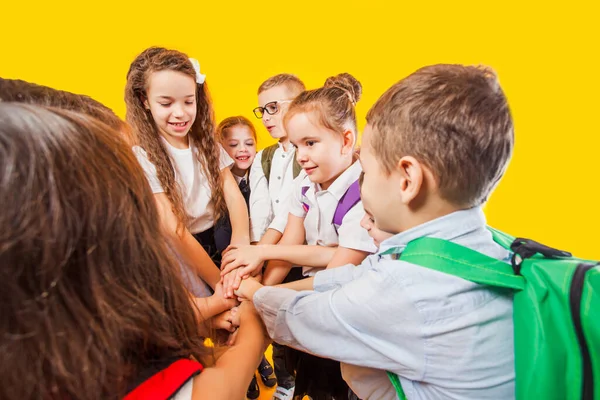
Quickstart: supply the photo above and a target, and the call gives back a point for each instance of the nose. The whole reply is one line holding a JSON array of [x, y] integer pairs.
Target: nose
[[365, 223], [301, 156], [178, 111], [266, 117]]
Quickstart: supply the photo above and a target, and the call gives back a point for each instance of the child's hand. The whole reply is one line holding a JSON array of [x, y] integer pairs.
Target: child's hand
[[225, 321], [220, 297], [247, 288], [231, 281], [248, 258]]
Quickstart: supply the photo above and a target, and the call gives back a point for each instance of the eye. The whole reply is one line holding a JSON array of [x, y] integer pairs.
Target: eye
[[310, 143], [271, 107], [165, 104], [189, 102]]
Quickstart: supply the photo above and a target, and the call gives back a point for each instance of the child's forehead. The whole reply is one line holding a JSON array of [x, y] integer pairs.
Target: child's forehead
[[276, 93], [171, 83], [239, 132]]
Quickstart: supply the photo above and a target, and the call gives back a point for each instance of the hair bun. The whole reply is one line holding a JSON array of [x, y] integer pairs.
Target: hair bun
[[348, 83]]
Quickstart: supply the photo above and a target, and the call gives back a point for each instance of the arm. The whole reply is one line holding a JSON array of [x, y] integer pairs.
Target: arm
[[294, 234], [345, 256], [238, 211], [252, 257], [340, 323], [271, 236], [261, 212], [189, 249], [231, 375]]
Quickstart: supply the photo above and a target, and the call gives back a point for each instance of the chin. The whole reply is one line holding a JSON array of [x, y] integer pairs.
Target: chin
[[244, 166]]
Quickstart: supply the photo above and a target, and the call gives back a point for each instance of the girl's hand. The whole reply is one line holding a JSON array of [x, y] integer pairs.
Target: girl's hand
[[249, 258], [247, 288], [226, 321]]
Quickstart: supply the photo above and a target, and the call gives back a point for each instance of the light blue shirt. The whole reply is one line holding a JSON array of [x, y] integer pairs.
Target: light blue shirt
[[445, 337]]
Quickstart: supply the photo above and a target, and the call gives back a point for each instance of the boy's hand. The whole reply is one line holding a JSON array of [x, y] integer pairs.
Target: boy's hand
[[248, 258], [247, 288]]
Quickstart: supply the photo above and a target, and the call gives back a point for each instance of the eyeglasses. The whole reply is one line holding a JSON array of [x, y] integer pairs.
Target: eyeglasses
[[271, 108]]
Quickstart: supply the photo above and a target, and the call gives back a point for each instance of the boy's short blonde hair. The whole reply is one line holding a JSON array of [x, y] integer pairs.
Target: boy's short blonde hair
[[291, 82], [454, 119]]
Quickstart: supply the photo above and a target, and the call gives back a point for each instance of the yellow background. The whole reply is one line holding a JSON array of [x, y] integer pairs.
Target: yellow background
[[545, 55]]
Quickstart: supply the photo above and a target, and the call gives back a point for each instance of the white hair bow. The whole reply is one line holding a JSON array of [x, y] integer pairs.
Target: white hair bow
[[200, 78]]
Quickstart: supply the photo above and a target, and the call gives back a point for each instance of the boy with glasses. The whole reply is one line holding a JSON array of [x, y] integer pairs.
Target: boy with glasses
[[271, 177]]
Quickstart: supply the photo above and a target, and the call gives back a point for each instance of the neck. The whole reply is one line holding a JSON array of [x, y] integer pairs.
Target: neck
[[325, 185], [181, 143], [285, 142], [240, 173], [433, 210]]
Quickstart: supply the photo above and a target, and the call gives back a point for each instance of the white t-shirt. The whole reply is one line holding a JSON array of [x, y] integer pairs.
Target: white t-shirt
[[196, 192], [318, 219]]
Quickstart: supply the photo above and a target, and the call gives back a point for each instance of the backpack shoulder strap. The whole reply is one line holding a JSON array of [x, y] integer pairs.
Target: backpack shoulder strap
[[454, 259], [296, 167], [267, 160], [347, 201], [166, 383]]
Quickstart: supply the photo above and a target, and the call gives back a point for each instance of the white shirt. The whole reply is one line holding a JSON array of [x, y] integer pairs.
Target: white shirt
[[195, 188], [267, 199], [445, 337], [318, 219]]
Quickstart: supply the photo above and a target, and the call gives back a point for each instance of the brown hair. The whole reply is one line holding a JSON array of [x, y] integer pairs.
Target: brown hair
[[201, 133], [291, 82], [89, 292], [453, 118], [19, 91], [333, 104], [230, 122]]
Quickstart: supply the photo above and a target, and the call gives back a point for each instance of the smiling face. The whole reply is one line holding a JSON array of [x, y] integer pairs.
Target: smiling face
[[319, 150], [240, 144], [171, 98]]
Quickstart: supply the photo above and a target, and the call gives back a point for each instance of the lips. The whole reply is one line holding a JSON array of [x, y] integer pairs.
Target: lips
[[270, 128], [179, 126], [309, 170], [242, 158]]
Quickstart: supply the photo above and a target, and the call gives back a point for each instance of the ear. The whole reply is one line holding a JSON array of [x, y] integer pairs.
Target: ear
[[412, 174], [145, 103], [348, 140]]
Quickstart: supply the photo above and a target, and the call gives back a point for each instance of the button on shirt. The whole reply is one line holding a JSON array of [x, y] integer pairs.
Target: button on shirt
[[445, 337], [266, 199]]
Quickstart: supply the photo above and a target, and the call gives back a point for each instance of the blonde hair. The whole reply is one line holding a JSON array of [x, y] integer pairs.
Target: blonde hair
[[230, 122], [333, 104], [291, 82]]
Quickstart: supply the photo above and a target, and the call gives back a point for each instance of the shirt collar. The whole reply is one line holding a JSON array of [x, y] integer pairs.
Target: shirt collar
[[448, 227]]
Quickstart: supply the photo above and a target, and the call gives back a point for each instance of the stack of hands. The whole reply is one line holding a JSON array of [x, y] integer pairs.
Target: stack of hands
[[240, 279]]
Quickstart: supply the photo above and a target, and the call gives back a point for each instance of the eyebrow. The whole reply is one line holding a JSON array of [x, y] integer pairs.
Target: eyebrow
[[309, 138], [169, 97]]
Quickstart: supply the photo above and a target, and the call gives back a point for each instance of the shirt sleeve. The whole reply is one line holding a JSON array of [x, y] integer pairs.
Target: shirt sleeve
[[295, 202], [261, 210], [224, 160], [350, 323], [352, 235], [149, 169]]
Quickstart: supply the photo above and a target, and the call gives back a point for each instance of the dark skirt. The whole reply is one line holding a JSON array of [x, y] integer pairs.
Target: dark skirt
[[207, 240]]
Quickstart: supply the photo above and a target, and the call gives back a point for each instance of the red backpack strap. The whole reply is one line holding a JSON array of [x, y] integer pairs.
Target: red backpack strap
[[167, 382]]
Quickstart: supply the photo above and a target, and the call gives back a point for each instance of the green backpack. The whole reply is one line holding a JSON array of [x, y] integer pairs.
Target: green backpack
[[267, 161], [556, 311]]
